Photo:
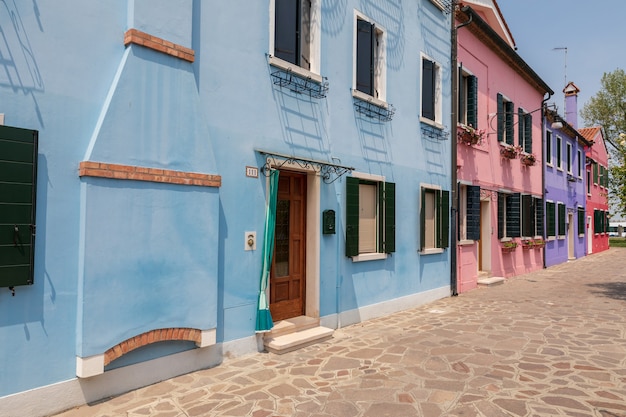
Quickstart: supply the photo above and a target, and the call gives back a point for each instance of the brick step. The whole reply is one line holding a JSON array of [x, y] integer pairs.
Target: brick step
[[298, 339]]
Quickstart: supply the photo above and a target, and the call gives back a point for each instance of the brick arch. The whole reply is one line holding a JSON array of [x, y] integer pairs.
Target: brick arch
[[152, 336]]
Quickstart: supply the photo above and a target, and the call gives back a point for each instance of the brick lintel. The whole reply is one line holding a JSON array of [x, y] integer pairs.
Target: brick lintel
[[137, 173], [161, 45]]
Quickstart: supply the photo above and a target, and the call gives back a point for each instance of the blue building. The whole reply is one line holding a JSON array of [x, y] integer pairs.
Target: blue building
[[155, 140], [565, 184]]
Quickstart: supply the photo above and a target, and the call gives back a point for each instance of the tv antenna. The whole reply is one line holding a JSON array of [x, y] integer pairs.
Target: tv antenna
[[563, 48]]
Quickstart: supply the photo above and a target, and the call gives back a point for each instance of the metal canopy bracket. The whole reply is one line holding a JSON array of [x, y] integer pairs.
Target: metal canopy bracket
[[328, 171]]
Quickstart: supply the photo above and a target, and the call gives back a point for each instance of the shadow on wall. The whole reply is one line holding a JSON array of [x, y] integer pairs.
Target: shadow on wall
[[390, 15], [19, 66], [334, 12]]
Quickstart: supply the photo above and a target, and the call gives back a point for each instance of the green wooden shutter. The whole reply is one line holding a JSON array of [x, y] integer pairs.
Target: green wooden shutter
[[18, 189], [528, 216], [352, 216], [443, 213], [561, 221], [472, 219], [422, 219], [513, 215], [595, 172], [472, 101], [365, 55], [500, 117], [551, 218], [539, 217], [389, 245], [520, 127], [528, 133], [501, 210], [428, 89], [581, 220], [509, 110]]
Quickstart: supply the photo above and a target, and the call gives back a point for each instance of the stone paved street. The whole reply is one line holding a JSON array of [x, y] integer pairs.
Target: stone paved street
[[549, 343]]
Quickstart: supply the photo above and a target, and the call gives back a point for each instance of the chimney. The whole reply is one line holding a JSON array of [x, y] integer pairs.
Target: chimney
[[571, 104]]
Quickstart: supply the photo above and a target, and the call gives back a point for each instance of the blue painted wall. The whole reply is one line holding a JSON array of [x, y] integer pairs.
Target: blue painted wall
[[117, 258]]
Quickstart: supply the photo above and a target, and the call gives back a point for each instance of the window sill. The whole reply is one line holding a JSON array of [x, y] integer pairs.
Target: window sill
[[506, 239], [561, 237], [431, 251], [550, 238], [370, 99], [465, 242], [369, 257], [294, 69], [432, 123]]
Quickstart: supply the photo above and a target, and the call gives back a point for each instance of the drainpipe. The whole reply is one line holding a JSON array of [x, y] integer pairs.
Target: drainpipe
[[453, 168], [543, 168]]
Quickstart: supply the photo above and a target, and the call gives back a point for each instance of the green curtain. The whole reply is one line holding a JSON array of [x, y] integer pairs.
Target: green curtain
[[264, 321]]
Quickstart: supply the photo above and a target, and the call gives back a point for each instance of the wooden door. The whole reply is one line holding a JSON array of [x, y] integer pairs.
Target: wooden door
[[287, 276]]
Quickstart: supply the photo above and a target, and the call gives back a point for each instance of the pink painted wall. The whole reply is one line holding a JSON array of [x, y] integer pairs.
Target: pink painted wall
[[598, 198], [482, 164]]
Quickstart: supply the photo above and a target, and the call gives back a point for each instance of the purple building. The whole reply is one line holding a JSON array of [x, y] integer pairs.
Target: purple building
[[565, 194]]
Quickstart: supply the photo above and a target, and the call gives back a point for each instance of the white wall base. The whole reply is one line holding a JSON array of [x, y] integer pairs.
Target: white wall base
[[385, 308], [62, 396]]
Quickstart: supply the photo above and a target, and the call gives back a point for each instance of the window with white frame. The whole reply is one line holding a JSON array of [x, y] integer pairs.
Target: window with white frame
[[370, 216], [369, 59], [558, 155], [469, 212], [508, 215], [579, 164], [431, 91], [295, 35], [468, 99], [588, 182], [434, 219], [561, 219], [550, 219], [504, 115], [569, 158], [548, 148], [531, 216]]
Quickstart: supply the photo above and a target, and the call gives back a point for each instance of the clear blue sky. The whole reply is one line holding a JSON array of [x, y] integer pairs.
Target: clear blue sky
[[594, 33]]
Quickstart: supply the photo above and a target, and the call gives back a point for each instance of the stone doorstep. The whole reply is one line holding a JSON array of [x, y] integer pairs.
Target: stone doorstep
[[486, 282], [291, 341], [292, 325]]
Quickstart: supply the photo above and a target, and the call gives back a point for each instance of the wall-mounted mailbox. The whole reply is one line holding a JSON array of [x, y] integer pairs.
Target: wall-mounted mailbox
[[328, 222]]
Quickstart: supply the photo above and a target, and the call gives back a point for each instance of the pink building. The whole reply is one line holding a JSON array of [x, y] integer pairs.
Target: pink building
[[500, 207], [597, 190]]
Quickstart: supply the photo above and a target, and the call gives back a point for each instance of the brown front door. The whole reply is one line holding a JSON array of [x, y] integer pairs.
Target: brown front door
[[287, 276]]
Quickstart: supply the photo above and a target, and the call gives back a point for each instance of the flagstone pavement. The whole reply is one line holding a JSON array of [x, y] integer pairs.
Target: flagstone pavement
[[547, 343]]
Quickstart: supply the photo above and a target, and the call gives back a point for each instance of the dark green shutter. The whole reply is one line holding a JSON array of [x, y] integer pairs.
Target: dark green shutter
[[443, 214], [390, 217], [286, 30], [561, 221], [428, 89], [551, 218], [352, 216], [596, 221], [539, 217], [528, 216], [422, 219], [581, 220], [509, 110], [513, 215], [18, 189], [472, 219], [462, 103], [501, 210], [548, 147], [365, 43], [595, 172], [500, 117], [528, 133], [606, 222], [472, 101], [520, 128]]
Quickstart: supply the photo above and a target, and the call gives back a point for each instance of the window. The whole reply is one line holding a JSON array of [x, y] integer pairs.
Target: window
[[295, 33], [561, 220], [550, 219], [569, 158], [549, 148], [468, 99], [595, 173], [505, 120], [469, 212], [434, 219], [508, 215], [370, 216], [581, 221], [370, 61], [532, 216], [431, 91], [559, 159], [600, 221], [524, 130], [579, 164]]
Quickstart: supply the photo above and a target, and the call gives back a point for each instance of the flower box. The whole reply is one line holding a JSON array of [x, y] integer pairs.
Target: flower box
[[508, 247], [527, 159], [470, 136], [509, 151]]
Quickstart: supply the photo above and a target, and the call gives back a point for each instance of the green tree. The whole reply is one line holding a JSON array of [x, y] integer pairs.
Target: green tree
[[608, 110]]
